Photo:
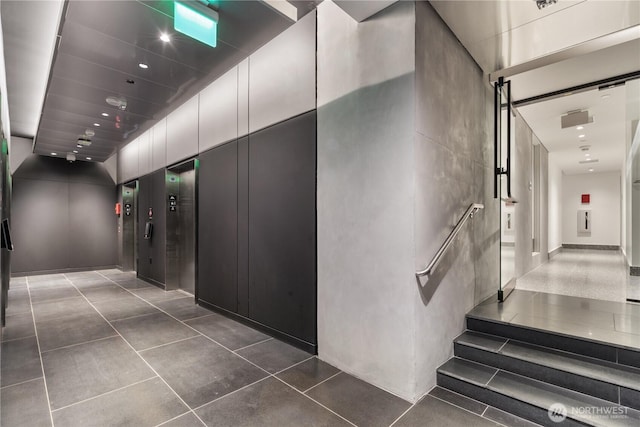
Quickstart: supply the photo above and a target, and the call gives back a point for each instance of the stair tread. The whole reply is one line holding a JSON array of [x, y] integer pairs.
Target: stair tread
[[468, 371], [537, 393], [621, 375], [544, 395]]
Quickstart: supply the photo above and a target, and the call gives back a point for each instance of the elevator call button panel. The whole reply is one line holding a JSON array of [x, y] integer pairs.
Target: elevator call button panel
[[173, 202], [127, 209]]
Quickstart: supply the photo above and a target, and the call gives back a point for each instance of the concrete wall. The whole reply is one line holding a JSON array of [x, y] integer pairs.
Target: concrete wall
[[454, 168], [604, 189], [366, 286], [555, 205]]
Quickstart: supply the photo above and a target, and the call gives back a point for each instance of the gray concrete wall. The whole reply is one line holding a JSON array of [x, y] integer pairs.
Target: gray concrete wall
[[366, 285], [454, 168]]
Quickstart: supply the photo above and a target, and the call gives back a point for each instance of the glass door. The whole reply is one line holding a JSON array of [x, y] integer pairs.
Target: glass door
[[502, 186]]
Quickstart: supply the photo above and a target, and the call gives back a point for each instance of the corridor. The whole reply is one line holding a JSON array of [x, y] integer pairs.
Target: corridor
[[585, 273], [104, 348]]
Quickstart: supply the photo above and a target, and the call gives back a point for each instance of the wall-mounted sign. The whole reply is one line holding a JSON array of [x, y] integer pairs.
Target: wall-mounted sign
[[586, 199]]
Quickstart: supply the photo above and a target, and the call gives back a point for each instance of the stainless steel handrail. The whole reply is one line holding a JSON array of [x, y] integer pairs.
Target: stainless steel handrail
[[473, 208]]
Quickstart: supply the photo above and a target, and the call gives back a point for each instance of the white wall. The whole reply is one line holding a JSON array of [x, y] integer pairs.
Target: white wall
[[365, 196], [604, 189], [555, 204], [21, 149], [273, 84]]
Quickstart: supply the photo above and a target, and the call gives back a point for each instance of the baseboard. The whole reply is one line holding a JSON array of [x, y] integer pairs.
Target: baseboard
[[555, 252], [297, 342], [598, 247], [61, 271], [151, 281]]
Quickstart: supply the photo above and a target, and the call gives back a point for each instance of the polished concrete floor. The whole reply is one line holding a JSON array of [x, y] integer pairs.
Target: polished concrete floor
[[103, 348], [590, 319], [595, 274]]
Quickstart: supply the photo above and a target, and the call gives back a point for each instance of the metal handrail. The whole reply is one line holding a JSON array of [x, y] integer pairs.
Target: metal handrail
[[473, 208]]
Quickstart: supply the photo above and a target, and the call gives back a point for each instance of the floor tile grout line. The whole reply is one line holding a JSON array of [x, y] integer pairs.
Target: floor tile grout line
[[104, 394], [404, 413], [465, 409], [322, 382], [22, 382], [314, 400], [169, 343], [16, 339], [44, 377], [231, 393], [251, 345], [77, 344], [132, 317], [199, 317], [295, 364], [197, 331], [503, 345], [173, 419], [142, 358]]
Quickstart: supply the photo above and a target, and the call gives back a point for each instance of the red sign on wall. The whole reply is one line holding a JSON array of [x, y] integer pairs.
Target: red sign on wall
[[586, 199]]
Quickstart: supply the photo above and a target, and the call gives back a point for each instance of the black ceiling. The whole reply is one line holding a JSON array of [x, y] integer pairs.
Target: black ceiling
[[100, 46]]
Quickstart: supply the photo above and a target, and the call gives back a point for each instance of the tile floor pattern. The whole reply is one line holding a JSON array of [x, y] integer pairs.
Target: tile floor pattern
[[586, 273], [104, 348]]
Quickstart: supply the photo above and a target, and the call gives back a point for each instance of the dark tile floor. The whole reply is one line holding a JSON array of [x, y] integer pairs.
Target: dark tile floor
[[104, 348]]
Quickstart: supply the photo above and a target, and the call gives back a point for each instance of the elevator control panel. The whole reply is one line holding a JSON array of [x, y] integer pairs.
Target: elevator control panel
[[173, 203], [127, 209]]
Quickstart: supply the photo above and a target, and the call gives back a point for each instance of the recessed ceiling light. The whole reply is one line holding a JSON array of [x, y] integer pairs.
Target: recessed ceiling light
[[165, 37], [105, 114], [75, 151], [88, 158], [581, 136], [97, 125], [79, 146], [587, 154], [54, 154], [143, 65], [580, 128], [590, 169]]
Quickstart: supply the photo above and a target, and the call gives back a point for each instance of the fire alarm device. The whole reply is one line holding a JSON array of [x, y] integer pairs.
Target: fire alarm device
[[586, 199], [118, 209]]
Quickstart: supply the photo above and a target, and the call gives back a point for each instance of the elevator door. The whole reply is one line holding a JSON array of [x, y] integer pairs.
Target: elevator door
[[181, 231]]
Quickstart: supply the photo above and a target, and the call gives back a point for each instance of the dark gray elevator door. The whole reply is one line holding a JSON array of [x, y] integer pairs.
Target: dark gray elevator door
[[187, 232]]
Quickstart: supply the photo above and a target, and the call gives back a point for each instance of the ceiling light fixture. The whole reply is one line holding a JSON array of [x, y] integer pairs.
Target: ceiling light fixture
[[196, 21], [75, 151], [54, 154], [97, 125], [88, 158], [165, 37], [105, 114], [78, 145], [605, 96], [544, 3], [581, 136], [118, 102], [580, 128], [143, 65], [590, 169]]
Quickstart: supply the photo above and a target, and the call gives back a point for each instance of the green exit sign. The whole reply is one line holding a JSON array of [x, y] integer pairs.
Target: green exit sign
[[196, 21]]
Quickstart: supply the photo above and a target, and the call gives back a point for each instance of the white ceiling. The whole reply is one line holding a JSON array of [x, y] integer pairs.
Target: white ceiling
[[605, 136], [564, 45]]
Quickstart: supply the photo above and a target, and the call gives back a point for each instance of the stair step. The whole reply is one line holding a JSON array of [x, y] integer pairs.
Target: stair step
[[610, 352], [613, 382], [529, 398]]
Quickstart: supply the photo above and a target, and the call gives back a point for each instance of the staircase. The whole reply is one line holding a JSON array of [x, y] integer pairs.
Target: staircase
[[527, 371]]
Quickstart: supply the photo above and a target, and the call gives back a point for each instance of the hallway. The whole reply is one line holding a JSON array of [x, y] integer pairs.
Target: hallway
[[585, 273], [116, 351]]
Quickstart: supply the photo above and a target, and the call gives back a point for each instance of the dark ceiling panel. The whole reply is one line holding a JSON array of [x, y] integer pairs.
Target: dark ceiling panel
[[103, 41]]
